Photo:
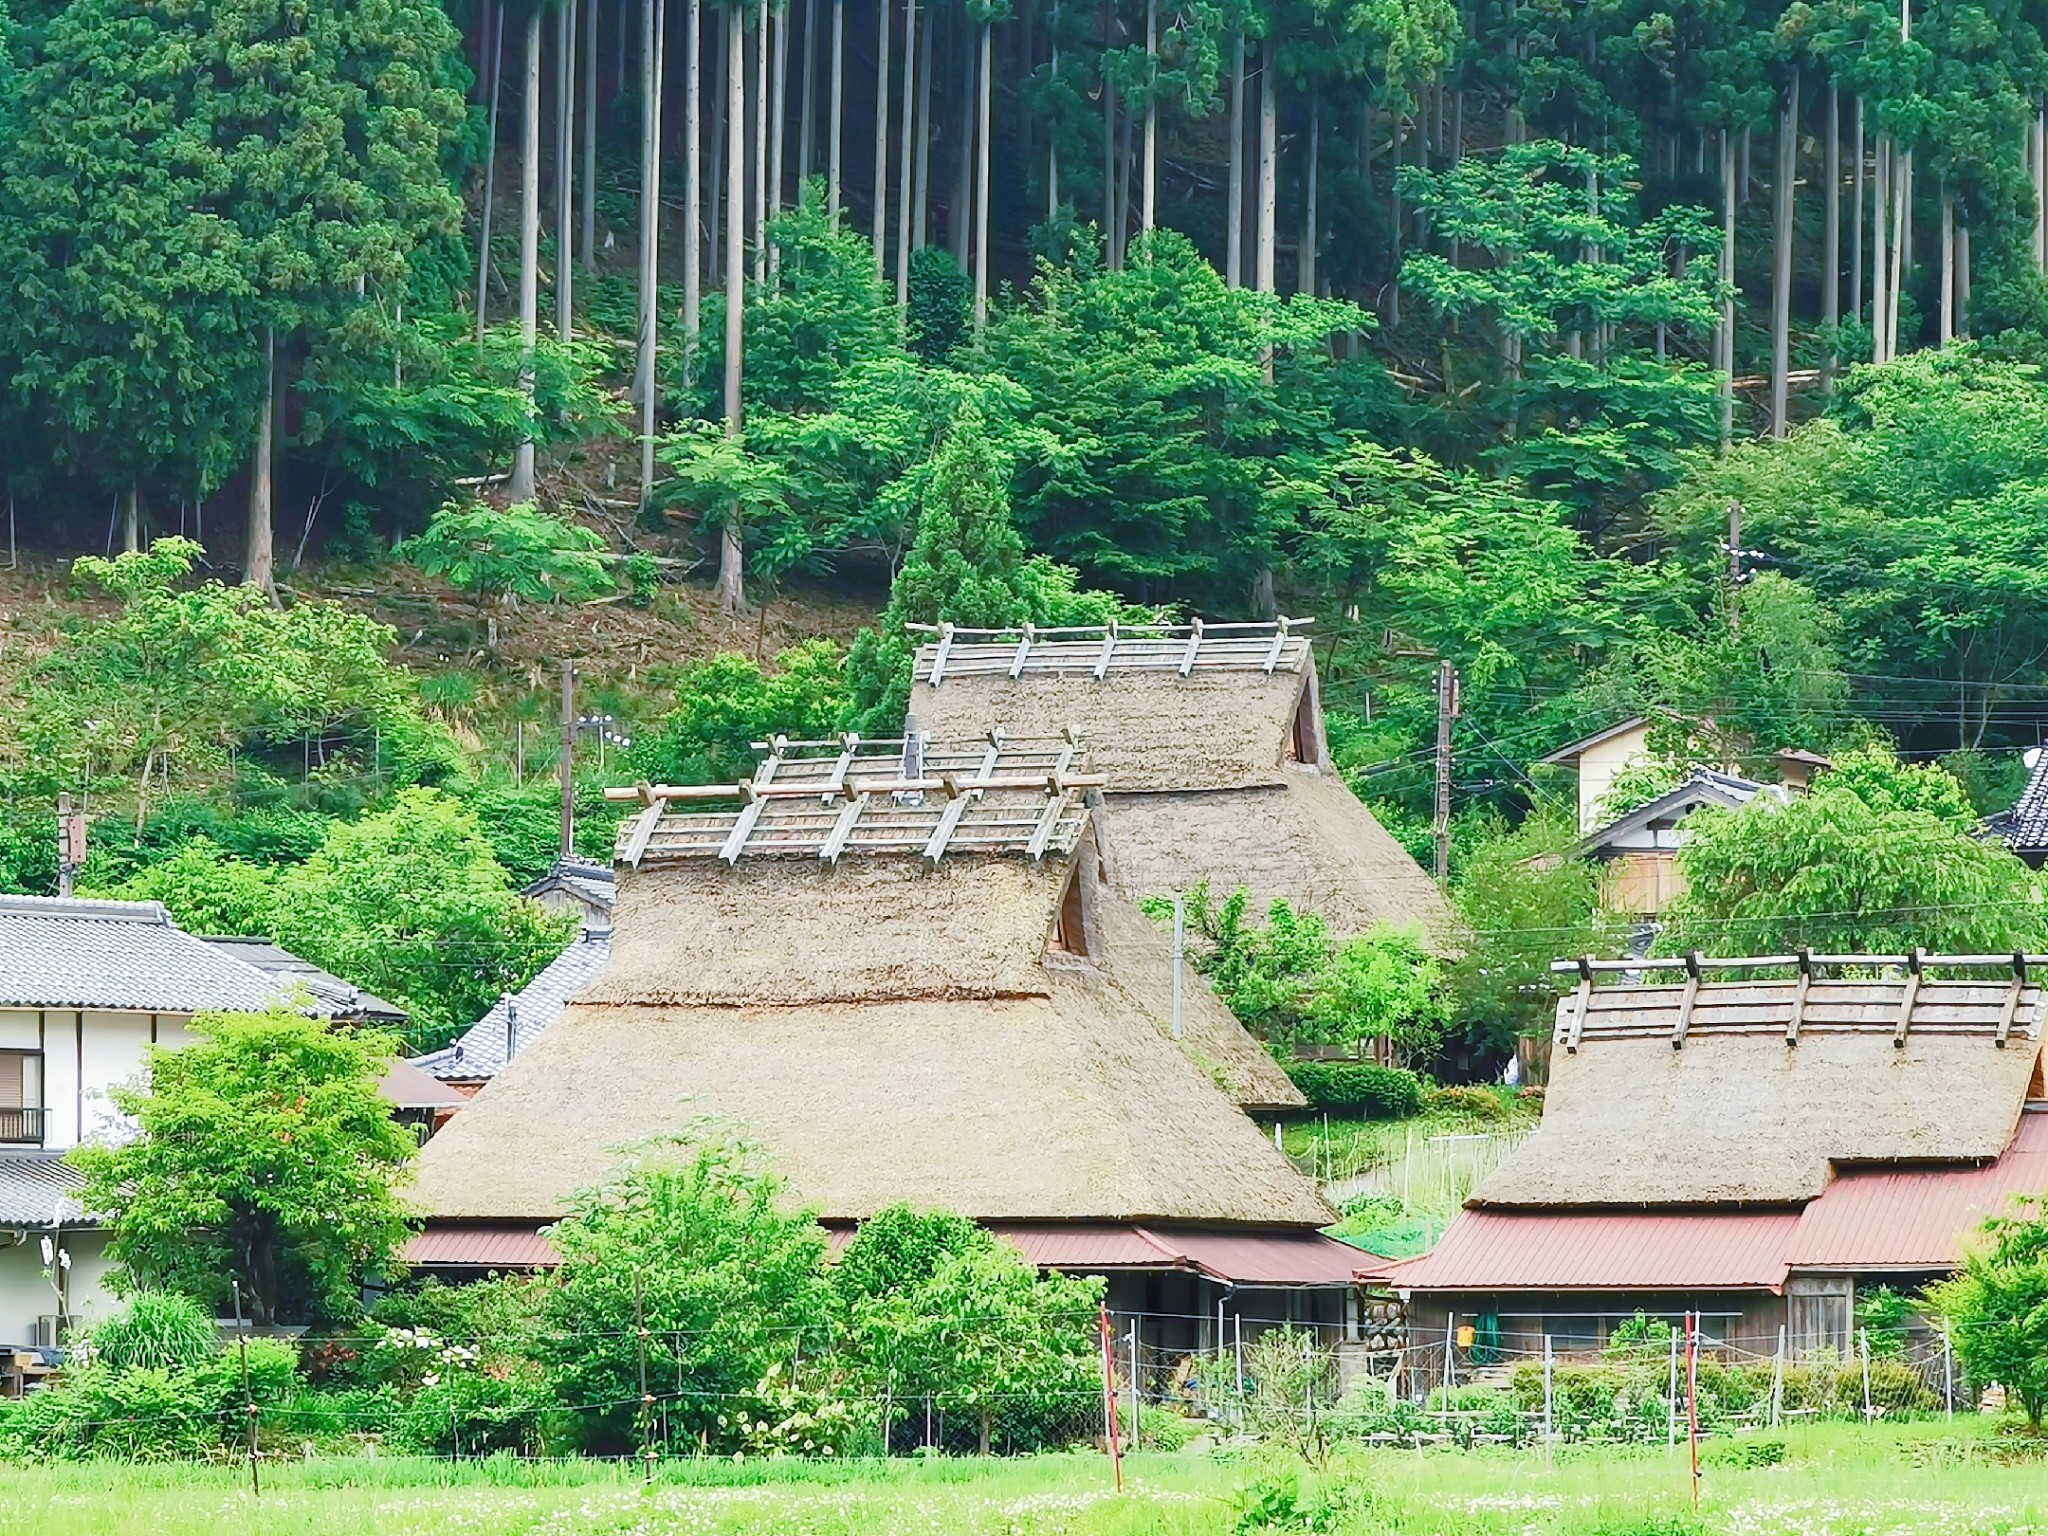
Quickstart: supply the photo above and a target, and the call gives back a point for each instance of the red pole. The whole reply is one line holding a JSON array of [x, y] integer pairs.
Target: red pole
[[1109, 1415], [1692, 1398]]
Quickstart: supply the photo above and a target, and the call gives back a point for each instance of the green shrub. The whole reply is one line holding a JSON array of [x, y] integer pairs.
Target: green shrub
[[1745, 1454], [644, 575], [466, 1413], [1358, 1088], [161, 1329], [1469, 1099], [148, 1413], [1161, 1429]]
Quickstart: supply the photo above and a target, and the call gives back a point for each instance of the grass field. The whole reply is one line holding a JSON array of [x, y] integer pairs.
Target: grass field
[[1890, 1481]]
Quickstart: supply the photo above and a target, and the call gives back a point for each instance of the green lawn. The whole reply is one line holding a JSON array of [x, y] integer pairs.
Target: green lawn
[[1834, 1481]]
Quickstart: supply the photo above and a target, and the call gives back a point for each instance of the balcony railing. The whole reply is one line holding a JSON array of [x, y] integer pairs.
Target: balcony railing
[[21, 1126]]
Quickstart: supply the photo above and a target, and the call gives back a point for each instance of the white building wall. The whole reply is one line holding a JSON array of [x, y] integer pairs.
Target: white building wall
[[26, 1295], [84, 1055]]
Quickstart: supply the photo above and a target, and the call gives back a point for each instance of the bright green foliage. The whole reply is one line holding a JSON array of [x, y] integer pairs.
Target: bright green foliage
[[1917, 515], [1760, 675], [1152, 417], [409, 903], [1295, 986], [1358, 1088], [968, 567], [163, 1330], [729, 1282], [941, 304], [148, 1413], [268, 1156], [179, 677], [206, 890], [1877, 857], [726, 704], [520, 552], [1527, 896], [935, 1306], [195, 175], [1997, 1308], [1537, 211]]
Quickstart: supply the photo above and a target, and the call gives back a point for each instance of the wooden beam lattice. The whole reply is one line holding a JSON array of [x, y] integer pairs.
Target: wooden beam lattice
[[1803, 986], [2010, 1012], [1023, 653], [958, 799], [1916, 968], [1685, 1006], [1582, 1003], [750, 813], [1187, 661]]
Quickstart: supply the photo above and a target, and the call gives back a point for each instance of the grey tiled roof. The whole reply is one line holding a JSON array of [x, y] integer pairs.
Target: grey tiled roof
[[344, 999], [2025, 826], [38, 1188], [58, 952], [480, 1053], [593, 884]]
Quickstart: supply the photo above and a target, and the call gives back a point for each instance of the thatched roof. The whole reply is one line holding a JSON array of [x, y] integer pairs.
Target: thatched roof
[[1226, 725], [1218, 773], [1738, 1113], [883, 1030]]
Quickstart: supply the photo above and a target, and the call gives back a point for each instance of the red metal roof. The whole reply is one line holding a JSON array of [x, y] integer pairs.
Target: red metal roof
[[1487, 1250], [1235, 1258], [479, 1248], [407, 1087], [1917, 1218]]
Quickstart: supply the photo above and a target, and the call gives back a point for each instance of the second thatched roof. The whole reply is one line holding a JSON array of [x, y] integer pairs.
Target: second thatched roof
[[1220, 773]]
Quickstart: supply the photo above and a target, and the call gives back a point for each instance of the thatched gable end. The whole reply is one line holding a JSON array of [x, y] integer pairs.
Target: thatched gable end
[[696, 932]]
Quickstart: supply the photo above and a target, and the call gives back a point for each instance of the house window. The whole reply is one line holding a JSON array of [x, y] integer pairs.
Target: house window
[[21, 1098], [1070, 928]]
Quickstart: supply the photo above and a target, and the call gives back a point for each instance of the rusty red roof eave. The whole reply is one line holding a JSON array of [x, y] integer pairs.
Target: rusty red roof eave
[[1581, 1251]]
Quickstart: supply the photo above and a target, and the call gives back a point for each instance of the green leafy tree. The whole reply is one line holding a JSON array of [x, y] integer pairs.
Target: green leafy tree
[[726, 704], [1295, 986], [206, 891], [968, 567], [699, 1247], [410, 903], [267, 1156], [1915, 515], [198, 177], [1876, 858], [521, 552], [935, 1306], [1997, 1308], [1527, 895], [180, 677]]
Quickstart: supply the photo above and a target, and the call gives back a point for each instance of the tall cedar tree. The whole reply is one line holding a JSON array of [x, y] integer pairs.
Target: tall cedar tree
[[199, 176]]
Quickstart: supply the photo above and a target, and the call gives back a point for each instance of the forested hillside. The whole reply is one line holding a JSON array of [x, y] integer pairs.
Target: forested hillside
[[1629, 358]]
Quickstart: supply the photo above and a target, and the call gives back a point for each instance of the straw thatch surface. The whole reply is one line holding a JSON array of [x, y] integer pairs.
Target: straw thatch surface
[[1743, 1118], [1310, 841], [1138, 959], [790, 931], [1061, 1108], [1145, 729]]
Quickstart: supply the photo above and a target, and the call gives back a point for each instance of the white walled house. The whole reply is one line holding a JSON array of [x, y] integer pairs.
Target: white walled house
[[85, 988]]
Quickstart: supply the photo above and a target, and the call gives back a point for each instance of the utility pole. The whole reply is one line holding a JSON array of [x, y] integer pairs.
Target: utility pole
[[568, 758], [1734, 561], [1446, 712], [70, 844]]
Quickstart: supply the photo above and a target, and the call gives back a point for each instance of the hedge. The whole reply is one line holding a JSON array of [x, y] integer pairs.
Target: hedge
[[1358, 1088]]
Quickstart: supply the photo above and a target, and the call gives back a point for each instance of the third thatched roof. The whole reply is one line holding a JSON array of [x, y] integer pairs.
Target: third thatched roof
[[1737, 1114]]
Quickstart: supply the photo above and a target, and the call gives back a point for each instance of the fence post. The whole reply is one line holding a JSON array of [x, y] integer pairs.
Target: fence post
[[248, 1396], [1778, 1379], [1116, 1455], [1692, 1398], [1549, 1400], [1863, 1348], [1135, 1395], [646, 1397], [1948, 1373], [1671, 1400], [1237, 1331]]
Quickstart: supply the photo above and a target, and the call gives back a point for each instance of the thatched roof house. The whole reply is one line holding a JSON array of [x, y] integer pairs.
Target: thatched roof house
[[1219, 767], [1718, 1144], [901, 980]]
